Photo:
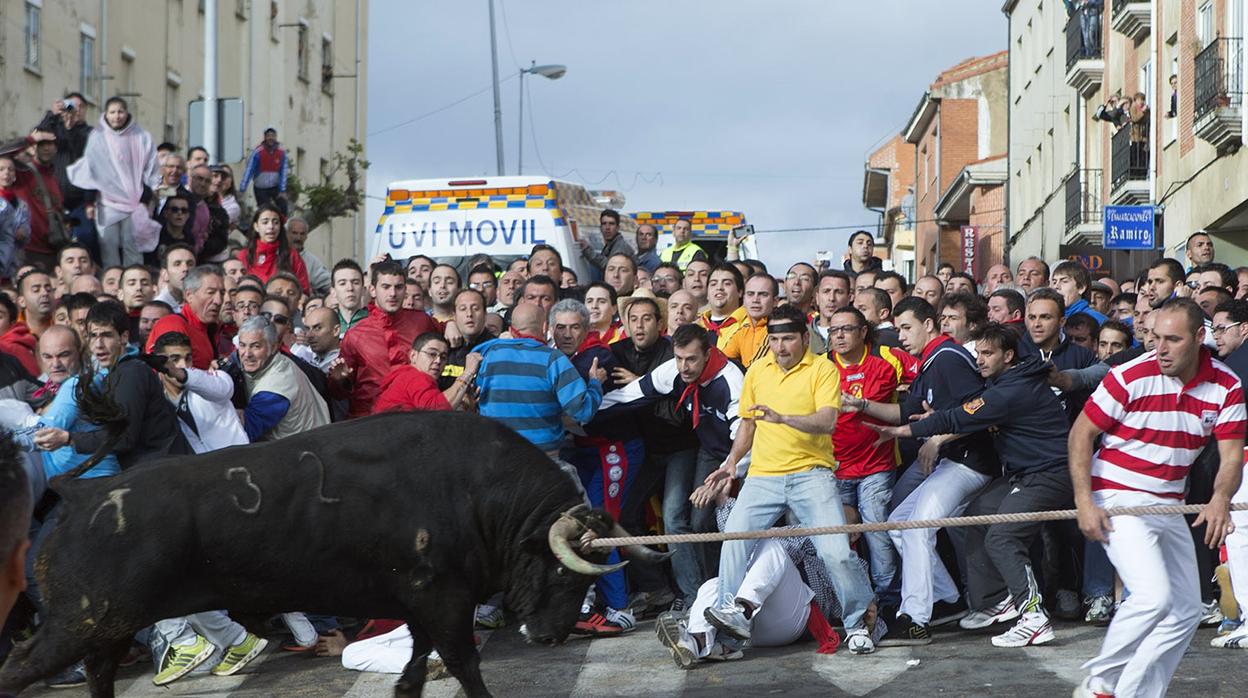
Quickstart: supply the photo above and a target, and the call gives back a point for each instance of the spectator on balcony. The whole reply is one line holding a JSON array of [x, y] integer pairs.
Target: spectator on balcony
[[1089, 13], [1174, 97], [1140, 119], [1112, 111], [1199, 249]]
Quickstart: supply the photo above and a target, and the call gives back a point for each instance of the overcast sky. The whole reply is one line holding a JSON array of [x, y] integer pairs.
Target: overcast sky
[[680, 105]]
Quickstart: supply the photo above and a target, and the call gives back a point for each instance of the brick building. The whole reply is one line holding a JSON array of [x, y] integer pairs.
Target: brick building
[[958, 131], [888, 189]]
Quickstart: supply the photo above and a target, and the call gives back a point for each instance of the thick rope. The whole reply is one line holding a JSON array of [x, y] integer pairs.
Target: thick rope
[[985, 520]]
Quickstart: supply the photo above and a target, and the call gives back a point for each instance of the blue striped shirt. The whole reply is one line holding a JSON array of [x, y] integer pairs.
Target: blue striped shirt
[[529, 387]]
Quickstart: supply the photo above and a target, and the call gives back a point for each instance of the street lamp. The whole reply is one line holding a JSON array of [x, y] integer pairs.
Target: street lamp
[[550, 72]]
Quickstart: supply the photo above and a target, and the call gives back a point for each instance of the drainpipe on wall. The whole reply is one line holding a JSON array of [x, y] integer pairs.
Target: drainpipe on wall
[[940, 134], [1009, 138]]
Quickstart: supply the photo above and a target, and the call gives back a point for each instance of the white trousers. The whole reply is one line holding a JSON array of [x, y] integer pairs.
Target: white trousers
[[1156, 559], [945, 492], [1237, 548], [774, 587], [385, 654]]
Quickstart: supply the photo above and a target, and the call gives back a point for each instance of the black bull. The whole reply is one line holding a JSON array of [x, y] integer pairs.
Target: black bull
[[415, 516]]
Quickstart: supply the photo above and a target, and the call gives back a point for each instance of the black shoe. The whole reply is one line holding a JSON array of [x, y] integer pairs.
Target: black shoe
[[904, 631], [944, 612], [72, 677]]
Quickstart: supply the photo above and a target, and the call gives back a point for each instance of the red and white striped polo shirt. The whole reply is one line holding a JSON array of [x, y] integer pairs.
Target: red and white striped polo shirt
[[1155, 426]]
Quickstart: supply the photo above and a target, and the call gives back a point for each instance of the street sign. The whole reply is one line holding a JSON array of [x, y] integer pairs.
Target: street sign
[[229, 146], [1129, 228], [970, 235]]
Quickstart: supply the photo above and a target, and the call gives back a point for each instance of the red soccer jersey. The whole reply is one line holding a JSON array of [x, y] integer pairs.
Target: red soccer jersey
[[875, 377]]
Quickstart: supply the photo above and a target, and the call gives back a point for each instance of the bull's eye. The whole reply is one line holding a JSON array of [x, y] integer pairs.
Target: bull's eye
[[560, 570]]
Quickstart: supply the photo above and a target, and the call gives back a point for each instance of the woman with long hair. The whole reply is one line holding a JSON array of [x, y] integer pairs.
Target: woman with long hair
[[120, 164], [268, 249], [227, 195]]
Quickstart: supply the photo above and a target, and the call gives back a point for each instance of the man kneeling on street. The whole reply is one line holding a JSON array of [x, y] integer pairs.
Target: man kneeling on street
[[788, 406]]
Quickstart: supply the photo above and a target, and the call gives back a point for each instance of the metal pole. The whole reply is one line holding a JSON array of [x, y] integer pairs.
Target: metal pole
[[520, 139], [104, 53], [356, 232], [498, 109], [209, 140]]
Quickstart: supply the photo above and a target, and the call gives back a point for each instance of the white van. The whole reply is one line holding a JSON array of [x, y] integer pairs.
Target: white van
[[452, 219]]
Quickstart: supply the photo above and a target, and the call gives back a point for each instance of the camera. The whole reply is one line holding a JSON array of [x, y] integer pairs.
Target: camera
[[742, 231], [69, 106]]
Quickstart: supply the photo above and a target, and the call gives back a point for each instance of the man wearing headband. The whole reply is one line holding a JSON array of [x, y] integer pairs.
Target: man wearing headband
[[788, 406]]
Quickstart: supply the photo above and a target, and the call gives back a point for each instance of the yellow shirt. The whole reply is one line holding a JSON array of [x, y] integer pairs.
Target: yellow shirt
[[748, 343], [727, 327], [808, 387]]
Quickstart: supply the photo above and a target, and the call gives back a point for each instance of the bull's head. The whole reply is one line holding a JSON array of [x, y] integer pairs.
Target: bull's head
[[574, 569]]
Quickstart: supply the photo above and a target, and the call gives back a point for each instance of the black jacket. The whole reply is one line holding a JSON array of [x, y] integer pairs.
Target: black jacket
[[873, 264], [664, 426], [1027, 421], [71, 143], [947, 379], [151, 429], [1067, 355]]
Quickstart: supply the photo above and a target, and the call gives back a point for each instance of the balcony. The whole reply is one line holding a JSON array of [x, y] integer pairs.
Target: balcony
[[1084, 66], [1219, 93], [1083, 207], [1132, 19], [1129, 162]]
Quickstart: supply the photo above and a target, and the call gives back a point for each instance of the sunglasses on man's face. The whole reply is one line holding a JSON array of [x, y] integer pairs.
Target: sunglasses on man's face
[[175, 209], [276, 318]]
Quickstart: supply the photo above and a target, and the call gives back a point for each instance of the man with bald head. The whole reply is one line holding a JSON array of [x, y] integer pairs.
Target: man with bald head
[[60, 353], [530, 386], [682, 309]]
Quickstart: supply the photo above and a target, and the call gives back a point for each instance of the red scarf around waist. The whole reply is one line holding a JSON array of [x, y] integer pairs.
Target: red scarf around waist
[[714, 365]]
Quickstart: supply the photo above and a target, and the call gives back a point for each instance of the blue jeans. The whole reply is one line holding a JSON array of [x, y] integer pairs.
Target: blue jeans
[[1090, 29], [606, 476], [684, 474], [810, 499], [1098, 571], [870, 495]]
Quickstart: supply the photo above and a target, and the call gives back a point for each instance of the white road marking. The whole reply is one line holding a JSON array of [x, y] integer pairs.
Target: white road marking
[[644, 656], [860, 675]]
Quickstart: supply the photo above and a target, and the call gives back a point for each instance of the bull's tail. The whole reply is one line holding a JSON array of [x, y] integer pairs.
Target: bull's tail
[[95, 405]]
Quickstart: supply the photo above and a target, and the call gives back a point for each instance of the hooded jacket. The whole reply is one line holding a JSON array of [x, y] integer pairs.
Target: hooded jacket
[[20, 344], [1065, 356], [1027, 421]]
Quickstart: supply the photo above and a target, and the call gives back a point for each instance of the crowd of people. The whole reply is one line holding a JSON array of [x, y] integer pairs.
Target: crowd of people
[[683, 393]]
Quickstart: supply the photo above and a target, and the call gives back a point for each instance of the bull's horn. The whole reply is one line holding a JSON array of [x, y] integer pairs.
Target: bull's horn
[[637, 552], [561, 532]]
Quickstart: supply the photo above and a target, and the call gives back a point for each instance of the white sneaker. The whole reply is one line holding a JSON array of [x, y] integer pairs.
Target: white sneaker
[[1085, 690], [624, 619], [859, 642], [1032, 629], [1003, 612], [730, 620], [720, 653], [1100, 610], [489, 617], [301, 628], [1211, 614], [1237, 640]]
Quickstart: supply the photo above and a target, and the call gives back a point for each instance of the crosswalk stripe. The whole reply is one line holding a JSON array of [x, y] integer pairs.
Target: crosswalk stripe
[[642, 654], [859, 676]]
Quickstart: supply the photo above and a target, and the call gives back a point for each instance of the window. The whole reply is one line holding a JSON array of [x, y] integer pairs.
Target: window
[[33, 15], [172, 83], [1146, 82], [1204, 24], [327, 64], [301, 51], [86, 63], [299, 153]]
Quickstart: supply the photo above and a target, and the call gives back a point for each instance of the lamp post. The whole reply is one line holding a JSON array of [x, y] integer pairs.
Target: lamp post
[[498, 110], [550, 72]]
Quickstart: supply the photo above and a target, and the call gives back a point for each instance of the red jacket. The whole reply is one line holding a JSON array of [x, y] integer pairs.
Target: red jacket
[[408, 388], [265, 265], [374, 346], [27, 190], [203, 347], [19, 343]]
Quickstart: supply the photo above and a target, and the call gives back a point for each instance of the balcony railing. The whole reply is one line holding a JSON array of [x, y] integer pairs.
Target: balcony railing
[[1129, 159], [1219, 76], [1083, 37], [1083, 198]]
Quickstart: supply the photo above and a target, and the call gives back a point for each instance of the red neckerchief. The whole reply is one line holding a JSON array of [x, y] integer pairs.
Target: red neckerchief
[[517, 334], [591, 340], [823, 633], [933, 345], [266, 258], [713, 326], [48, 389], [9, 195], [714, 365]]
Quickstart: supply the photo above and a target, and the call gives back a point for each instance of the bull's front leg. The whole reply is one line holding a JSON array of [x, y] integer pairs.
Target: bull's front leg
[[101, 666], [412, 682]]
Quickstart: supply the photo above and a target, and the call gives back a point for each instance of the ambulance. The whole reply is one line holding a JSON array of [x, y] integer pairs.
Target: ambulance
[[710, 230], [451, 220]]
